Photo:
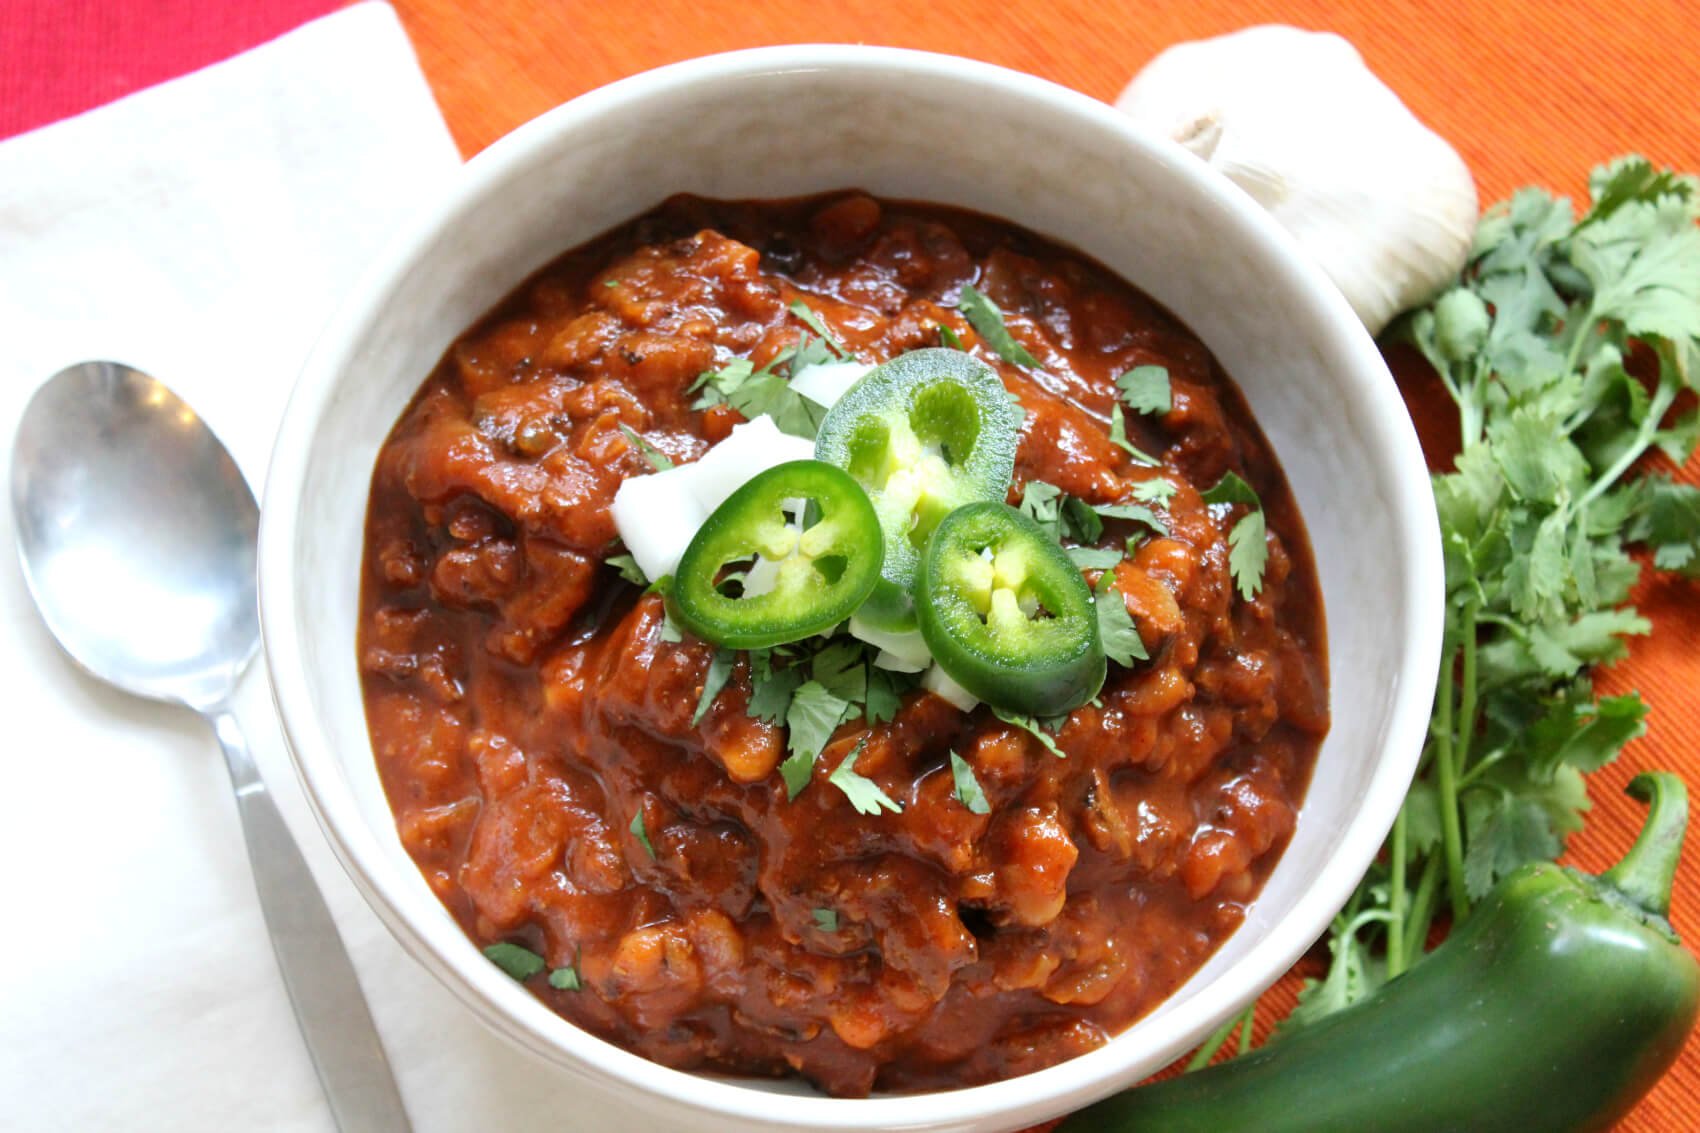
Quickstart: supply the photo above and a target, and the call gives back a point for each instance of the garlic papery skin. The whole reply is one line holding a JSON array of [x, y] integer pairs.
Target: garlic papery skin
[[1295, 118]]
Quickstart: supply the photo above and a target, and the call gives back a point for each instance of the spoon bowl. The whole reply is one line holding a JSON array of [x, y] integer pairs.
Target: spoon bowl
[[136, 532]]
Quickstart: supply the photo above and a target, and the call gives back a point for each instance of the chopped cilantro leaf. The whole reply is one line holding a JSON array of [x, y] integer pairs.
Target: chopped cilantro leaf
[[1032, 727], [518, 962], [1231, 489], [719, 672], [565, 979], [1093, 558], [1248, 553], [812, 716], [814, 322], [718, 385], [1122, 643], [1041, 502], [1145, 389], [810, 351], [796, 770], [1065, 516], [1138, 513], [983, 315], [1118, 437], [754, 392], [842, 669], [768, 393], [637, 828], [628, 568], [658, 460], [771, 689], [885, 693], [670, 628], [1156, 491], [864, 794], [1248, 546], [1083, 523], [968, 791], [826, 920], [948, 337]]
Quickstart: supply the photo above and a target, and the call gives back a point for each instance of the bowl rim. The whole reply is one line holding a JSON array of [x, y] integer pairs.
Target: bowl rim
[[500, 1002]]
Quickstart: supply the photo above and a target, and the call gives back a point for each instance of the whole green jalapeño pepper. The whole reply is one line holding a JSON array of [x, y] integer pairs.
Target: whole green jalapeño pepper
[[1006, 614], [788, 555], [924, 433], [1553, 1009]]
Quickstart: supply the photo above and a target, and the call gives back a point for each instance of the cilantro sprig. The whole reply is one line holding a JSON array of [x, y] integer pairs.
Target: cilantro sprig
[[1565, 347]]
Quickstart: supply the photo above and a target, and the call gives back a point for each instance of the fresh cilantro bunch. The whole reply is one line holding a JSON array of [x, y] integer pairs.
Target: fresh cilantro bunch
[[1567, 346]]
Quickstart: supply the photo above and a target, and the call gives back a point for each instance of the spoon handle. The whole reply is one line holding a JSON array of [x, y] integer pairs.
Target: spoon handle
[[329, 1006]]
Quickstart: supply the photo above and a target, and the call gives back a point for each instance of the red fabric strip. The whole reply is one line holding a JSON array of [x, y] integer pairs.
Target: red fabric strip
[[62, 57]]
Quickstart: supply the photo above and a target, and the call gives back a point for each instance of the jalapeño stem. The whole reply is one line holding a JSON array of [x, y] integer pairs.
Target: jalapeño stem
[[1648, 870]]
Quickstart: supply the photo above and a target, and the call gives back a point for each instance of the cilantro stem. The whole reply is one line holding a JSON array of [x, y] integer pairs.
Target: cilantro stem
[[1584, 334], [1663, 398], [1219, 1039], [1470, 416], [1396, 898], [1467, 681], [1422, 911], [1467, 397], [1447, 771], [1469, 778]]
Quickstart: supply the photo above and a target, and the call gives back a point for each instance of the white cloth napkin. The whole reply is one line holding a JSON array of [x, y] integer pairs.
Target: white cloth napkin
[[201, 230]]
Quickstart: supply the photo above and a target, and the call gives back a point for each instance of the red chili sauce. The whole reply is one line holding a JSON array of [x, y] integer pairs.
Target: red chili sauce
[[524, 706]]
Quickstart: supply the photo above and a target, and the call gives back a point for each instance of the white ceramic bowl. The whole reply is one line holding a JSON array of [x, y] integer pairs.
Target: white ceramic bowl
[[787, 121]]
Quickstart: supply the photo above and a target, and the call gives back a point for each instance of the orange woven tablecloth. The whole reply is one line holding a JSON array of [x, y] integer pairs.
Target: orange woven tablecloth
[[1529, 91]]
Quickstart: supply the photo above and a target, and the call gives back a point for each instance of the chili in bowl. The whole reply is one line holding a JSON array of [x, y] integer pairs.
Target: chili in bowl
[[730, 828]]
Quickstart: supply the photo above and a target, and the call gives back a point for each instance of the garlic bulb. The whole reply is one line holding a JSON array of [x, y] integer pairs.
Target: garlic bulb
[[1298, 121]]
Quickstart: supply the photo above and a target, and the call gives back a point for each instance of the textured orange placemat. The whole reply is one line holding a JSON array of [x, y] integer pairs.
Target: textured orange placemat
[[1530, 91]]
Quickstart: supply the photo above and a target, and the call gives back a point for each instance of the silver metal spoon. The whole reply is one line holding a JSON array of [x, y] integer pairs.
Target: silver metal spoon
[[137, 532]]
